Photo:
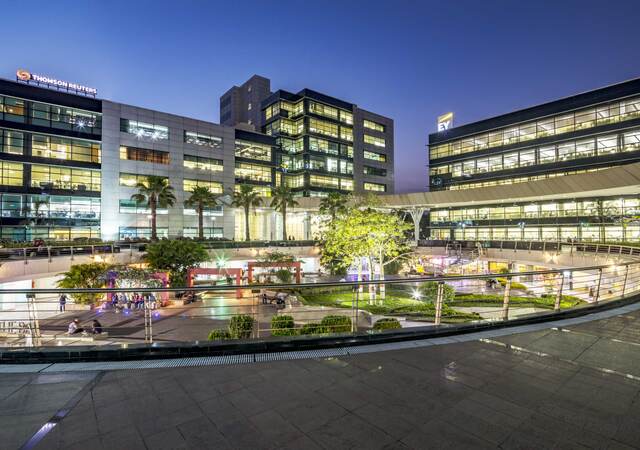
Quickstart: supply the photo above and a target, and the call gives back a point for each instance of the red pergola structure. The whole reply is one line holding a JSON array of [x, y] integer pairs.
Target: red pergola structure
[[252, 264], [191, 273]]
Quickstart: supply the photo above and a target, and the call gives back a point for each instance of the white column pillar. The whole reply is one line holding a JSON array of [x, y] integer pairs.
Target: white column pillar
[[416, 215]]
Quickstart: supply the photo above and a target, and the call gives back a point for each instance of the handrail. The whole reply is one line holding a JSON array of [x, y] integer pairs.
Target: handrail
[[482, 299], [310, 285], [584, 246]]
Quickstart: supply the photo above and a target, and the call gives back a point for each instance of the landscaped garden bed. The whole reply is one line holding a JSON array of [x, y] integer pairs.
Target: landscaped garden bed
[[397, 302]]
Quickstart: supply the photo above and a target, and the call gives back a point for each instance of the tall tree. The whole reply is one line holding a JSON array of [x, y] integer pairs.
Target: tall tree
[[155, 192], [387, 240], [281, 199], [200, 199], [334, 204], [85, 276], [176, 257], [365, 233], [246, 197]]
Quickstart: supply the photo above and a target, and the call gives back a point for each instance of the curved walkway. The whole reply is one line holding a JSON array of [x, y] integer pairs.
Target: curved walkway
[[574, 385]]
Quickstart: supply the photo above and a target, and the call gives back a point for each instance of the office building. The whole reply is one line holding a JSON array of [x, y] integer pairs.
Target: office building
[[324, 144], [571, 152], [70, 164], [241, 105], [585, 132]]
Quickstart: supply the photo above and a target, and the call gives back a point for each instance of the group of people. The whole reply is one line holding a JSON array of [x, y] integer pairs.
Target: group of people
[[135, 301], [76, 328]]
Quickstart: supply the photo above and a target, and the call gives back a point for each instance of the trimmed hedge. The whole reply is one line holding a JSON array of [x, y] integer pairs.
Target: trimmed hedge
[[311, 328], [328, 325], [282, 326], [429, 291], [336, 324], [514, 284], [544, 301], [387, 323], [219, 335], [241, 326]]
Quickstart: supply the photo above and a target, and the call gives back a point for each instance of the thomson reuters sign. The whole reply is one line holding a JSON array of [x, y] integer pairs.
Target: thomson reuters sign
[[25, 75]]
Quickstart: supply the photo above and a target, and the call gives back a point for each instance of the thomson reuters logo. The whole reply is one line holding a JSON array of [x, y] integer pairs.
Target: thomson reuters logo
[[24, 75]]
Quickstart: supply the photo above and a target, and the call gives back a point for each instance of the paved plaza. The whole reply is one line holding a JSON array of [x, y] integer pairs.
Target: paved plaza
[[554, 388]]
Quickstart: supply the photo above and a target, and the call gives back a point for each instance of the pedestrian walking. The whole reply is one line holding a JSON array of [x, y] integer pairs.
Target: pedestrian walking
[[63, 302]]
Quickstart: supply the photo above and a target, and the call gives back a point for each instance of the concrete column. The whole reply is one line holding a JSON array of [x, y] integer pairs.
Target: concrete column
[[507, 297], [416, 215]]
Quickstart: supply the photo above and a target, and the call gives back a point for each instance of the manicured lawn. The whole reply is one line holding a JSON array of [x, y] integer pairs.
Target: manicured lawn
[[546, 302], [397, 302]]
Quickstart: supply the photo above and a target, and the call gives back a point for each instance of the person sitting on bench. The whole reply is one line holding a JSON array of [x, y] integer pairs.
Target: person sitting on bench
[[74, 327], [96, 327]]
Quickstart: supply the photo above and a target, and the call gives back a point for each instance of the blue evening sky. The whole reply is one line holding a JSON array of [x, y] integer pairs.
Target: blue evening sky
[[408, 60]]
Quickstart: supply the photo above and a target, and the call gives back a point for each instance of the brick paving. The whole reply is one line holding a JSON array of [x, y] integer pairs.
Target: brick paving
[[552, 388]]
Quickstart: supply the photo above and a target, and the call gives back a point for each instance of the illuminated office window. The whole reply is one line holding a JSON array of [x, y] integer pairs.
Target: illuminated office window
[[11, 142], [324, 181], [144, 155], [144, 130], [252, 172], [372, 140], [323, 110], [202, 139], [202, 163], [375, 187], [56, 177], [375, 156], [373, 125], [132, 179], [323, 127], [64, 148], [11, 174], [214, 186], [252, 150]]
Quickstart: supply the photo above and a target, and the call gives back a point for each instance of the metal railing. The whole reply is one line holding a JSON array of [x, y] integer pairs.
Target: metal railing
[[50, 251], [27, 254], [225, 313], [572, 248]]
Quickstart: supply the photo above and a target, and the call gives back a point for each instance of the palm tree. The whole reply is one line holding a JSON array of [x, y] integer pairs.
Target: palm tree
[[155, 192], [200, 199], [333, 204], [281, 199], [246, 197]]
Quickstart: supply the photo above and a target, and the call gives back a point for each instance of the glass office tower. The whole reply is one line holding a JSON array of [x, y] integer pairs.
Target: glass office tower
[[588, 132], [329, 145], [50, 161]]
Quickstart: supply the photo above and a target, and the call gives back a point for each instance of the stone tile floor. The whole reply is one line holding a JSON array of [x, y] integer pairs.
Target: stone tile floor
[[554, 388]]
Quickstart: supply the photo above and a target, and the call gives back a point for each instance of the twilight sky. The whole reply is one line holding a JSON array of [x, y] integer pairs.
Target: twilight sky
[[408, 60]]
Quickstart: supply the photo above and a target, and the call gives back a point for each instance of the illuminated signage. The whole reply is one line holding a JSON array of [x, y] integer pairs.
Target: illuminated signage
[[28, 77], [445, 121]]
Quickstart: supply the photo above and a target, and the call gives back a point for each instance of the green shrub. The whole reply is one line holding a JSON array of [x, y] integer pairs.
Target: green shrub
[[219, 335], [336, 324], [387, 323], [282, 326], [241, 326], [514, 284], [429, 291], [312, 328], [393, 268], [284, 276]]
